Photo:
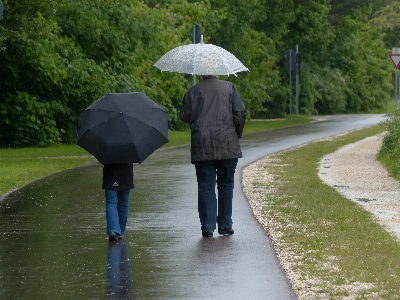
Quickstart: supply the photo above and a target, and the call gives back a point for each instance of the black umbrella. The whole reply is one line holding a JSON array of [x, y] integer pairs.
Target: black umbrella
[[123, 128]]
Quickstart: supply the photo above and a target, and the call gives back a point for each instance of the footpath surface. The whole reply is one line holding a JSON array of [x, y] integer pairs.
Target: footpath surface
[[355, 173], [54, 246]]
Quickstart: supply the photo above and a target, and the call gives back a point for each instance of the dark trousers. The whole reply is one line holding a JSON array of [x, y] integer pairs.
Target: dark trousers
[[209, 173]]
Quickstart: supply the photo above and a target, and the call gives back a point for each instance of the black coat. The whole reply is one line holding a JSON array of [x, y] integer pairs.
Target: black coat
[[216, 115], [118, 177]]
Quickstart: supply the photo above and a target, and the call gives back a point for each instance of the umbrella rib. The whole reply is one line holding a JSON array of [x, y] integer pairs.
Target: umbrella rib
[[147, 124], [223, 62]]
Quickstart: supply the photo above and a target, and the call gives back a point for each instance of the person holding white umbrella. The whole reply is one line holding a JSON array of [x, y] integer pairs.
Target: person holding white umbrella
[[216, 115]]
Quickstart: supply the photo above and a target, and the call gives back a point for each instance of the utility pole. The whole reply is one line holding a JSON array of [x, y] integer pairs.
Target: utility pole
[[395, 58], [299, 66], [297, 79], [290, 65]]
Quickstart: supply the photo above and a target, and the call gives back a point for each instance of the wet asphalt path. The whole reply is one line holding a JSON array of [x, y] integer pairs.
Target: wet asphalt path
[[53, 243]]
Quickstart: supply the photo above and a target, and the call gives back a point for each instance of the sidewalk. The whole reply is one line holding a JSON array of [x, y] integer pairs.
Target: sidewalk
[[54, 244]]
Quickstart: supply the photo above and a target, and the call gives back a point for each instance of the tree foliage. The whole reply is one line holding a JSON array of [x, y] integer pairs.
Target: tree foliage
[[59, 56], [340, 8], [359, 53], [388, 19]]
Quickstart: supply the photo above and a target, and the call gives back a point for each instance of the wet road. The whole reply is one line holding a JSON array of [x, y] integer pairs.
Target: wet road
[[53, 243]]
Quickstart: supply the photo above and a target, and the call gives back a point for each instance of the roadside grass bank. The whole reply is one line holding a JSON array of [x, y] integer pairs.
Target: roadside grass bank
[[329, 246], [19, 166], [389, 155]]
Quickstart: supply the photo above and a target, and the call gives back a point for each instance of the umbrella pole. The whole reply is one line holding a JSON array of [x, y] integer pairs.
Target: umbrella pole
[[196, 33]]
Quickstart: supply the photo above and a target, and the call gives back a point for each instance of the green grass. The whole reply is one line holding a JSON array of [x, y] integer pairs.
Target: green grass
[[267, 125], [23, 165], [333, 242], [391, 162], [19, 166]]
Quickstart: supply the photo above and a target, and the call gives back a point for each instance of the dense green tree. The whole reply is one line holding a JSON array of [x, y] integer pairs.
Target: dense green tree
[[352, 56], [359, 53], [65, 54], [58, 56], [388, 18], [41, 73], [341, 8], [240, 35], [309, 31]]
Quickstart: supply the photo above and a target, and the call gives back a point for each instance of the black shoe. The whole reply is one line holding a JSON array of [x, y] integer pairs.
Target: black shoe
[[225, 231], [113, 237], [207, 233], [120, 237]]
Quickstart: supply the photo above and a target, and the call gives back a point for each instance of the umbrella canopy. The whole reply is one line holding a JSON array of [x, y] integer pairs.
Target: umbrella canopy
[[200, 59], [122, 128]]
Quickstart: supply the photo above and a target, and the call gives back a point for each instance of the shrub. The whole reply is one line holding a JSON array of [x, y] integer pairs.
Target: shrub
[[390, 151]]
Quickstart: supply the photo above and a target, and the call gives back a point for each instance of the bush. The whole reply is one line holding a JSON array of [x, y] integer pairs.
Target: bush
[[330, 86], [390, 151], [27, 121]]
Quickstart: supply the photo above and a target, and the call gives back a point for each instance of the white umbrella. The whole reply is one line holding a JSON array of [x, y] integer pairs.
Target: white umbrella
[[200, 59]]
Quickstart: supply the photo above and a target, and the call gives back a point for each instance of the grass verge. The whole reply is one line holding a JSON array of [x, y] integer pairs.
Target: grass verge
[[331, 244], [20, 166], [23, 165]]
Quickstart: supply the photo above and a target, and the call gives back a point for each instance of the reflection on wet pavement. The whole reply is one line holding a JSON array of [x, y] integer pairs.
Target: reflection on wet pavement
[[118, 272], [54, 246]]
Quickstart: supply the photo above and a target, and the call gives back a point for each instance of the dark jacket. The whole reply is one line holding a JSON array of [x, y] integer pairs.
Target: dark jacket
[[118, 177], [216, 115]]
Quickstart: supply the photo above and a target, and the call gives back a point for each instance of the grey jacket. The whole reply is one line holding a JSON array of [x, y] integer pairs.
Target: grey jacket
[[216, 115]]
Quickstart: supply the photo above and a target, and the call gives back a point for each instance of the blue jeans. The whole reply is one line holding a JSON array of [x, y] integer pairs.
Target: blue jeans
[[117, 210], [209, 173]]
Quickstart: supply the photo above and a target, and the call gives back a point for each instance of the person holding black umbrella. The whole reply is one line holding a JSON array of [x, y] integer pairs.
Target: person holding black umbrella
[[216, 115], [120, 129]]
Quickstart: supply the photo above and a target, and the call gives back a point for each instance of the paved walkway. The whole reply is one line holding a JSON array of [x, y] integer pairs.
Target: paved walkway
[[54, 246]]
